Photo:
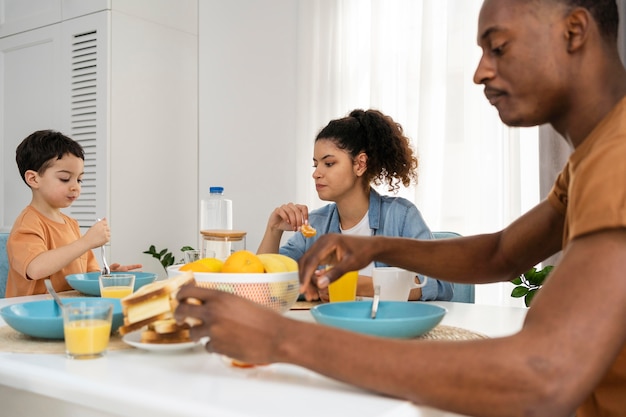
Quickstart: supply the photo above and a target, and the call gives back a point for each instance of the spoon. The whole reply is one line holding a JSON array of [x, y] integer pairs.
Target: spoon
[[375, 302], [105, 269], [53, 293]]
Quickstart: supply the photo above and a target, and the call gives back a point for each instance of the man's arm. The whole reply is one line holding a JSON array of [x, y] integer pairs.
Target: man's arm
[[572, 334], [471, 259]]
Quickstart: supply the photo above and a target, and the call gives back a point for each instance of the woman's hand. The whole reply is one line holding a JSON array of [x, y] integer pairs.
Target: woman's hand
[[288, 217]]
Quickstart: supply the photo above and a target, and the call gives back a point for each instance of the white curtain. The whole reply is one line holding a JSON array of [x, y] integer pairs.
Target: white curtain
[[415, 60]]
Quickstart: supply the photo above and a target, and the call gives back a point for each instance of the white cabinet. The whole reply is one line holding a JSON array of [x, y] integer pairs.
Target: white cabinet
[[122, 82]]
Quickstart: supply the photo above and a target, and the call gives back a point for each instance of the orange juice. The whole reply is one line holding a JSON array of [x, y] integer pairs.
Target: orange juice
[[344, 289], [87, 337], [116, 291]]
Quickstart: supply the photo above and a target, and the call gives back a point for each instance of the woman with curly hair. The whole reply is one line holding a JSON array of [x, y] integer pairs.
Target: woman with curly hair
[[350, 155]]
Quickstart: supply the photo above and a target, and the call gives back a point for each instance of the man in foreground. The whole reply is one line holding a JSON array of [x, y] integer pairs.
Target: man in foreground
[[544, 61]]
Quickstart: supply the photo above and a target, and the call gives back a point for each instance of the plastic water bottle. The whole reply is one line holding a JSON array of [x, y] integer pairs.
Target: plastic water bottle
[[216, 212]]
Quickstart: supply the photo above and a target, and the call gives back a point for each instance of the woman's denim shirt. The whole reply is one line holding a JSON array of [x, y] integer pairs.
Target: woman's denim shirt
[[388, 216]]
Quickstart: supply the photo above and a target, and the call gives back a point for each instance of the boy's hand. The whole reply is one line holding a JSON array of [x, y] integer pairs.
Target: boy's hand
[[98, 234], [125, 268]]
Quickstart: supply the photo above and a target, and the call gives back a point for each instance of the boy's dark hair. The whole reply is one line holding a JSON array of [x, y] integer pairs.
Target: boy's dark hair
[[40, 149]]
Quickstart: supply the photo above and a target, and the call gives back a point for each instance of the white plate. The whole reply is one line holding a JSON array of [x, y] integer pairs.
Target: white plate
[[134, 339]]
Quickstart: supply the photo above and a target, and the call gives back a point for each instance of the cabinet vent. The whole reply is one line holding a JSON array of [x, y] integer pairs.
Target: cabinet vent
[[83, 118]]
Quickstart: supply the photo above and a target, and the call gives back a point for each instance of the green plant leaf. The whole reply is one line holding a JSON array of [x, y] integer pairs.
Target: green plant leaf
[[539, 277], [519, 291], [517, 281], [529, 297]]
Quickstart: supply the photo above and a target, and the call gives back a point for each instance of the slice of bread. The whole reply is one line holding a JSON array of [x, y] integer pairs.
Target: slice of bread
[[166, 326], [152, 302], [150, 336]]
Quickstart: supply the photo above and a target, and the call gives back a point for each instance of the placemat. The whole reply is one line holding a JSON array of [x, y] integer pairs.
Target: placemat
[[16, 342], [304, 305], [443, 332]]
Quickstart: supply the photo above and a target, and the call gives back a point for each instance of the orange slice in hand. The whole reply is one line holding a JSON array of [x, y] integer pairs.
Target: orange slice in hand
[[307, 230]]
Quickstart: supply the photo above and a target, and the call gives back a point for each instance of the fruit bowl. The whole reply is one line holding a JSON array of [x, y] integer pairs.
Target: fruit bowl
[[276, 290]]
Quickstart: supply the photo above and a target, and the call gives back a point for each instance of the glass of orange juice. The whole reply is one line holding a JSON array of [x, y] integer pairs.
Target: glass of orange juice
[[87, 328], [116, 285], [344, 288]]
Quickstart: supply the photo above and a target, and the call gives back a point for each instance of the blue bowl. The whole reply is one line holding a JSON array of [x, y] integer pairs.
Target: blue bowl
[[395, 319], [44, 318], [88, 283]]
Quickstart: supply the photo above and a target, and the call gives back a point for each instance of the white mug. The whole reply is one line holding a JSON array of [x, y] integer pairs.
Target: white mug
[[395, 283]]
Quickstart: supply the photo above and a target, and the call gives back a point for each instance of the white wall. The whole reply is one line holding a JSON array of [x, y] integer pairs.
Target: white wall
[[153, 137], [247, 96]]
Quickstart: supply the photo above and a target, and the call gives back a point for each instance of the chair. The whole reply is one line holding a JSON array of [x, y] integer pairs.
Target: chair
[[4, 263], [463, 293]]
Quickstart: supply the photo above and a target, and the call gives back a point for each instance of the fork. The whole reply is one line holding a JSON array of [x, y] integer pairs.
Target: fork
[[105, 269]]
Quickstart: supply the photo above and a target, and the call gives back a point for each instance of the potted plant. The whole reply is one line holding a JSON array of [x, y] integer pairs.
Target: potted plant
[[527, 284], [165, 258]]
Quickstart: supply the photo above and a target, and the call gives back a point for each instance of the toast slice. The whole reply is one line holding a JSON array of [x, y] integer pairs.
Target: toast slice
[[180, 336], [152, 302]]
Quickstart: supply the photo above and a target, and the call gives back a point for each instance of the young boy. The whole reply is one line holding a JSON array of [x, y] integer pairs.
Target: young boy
[[44, 242]]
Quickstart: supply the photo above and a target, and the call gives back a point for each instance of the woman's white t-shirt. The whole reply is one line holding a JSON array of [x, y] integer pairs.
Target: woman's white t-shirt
[[362, 228]]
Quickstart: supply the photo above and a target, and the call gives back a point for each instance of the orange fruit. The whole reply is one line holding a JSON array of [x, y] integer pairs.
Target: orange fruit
[[243, 261], [203, 265], [307, 230]]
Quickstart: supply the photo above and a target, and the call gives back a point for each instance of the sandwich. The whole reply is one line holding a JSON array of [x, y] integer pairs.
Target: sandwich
[[165, 331], [151, 308]]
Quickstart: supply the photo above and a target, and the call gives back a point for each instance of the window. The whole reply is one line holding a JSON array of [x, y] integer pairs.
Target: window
[[414, 61]]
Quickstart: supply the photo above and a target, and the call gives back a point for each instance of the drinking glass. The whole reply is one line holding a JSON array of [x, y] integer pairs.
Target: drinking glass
[[344, 288], [87, 328], [116, 285]]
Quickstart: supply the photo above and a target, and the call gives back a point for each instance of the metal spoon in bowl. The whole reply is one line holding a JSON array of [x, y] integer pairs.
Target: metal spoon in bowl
[[375, 301], [53, 293], [105, 269]]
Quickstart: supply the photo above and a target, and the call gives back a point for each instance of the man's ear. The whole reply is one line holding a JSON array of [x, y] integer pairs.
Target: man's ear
[[578, 23], [32, 178]]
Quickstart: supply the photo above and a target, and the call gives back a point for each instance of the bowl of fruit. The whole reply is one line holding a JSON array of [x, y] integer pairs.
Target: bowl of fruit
[[269, 279]]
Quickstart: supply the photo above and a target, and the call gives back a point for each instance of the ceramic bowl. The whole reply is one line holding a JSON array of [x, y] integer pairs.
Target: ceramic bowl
[[44, 319], [395, 319], [88, 283], [277, 290]]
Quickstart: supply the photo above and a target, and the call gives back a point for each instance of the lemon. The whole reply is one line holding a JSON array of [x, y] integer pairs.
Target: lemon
[[272, 263], [243, 261], [203, 265], [290, 263]]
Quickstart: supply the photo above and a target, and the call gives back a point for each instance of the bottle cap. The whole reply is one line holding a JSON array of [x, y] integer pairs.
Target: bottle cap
[[217, 190]]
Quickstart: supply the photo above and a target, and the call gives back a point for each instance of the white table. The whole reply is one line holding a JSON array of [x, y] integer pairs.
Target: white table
[[193, 383]]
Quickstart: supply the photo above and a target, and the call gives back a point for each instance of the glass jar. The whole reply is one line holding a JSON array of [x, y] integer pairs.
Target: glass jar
[[222, 242]]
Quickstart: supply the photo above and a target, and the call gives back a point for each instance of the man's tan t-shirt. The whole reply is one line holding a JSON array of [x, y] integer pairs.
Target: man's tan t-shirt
[[591, 193]]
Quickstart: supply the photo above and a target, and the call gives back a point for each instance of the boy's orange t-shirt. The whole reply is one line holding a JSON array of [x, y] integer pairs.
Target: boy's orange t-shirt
[[32, 234]]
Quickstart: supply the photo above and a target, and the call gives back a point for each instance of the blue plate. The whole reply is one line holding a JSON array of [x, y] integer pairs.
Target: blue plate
[[44, 318], [88, 283], [396, 319]]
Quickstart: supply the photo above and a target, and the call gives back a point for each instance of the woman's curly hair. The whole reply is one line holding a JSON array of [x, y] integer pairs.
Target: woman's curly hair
[[390, 157]]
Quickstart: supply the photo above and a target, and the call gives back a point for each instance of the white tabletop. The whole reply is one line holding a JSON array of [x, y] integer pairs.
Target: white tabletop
[[136, 382]]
